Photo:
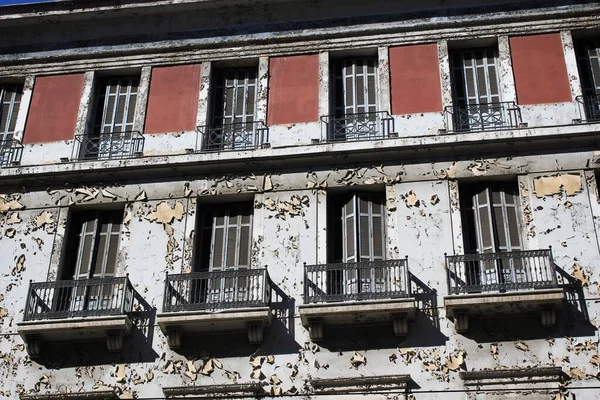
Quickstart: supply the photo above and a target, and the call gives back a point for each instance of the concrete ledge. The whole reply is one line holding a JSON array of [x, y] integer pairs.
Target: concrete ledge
[[493, 303], [362, 383], [175, 324], [398, 311], [237, 390], [460, 308], [67, 329], [111, 328], [513, 375], [99, 395]]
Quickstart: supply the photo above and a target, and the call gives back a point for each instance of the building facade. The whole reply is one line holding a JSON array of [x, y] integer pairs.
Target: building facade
[[314, 199]]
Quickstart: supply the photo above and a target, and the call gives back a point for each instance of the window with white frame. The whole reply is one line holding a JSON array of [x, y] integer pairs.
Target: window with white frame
[[588, 62], [111, 134], [476, 90], [491, 225], [233, 121], [10, 100], [355, 234], [92, 251], [115, 105], [224, 244], [354, 100]]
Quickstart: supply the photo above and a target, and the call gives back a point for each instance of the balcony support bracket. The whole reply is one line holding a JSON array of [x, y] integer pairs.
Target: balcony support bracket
[[114, 340], [33, 343], [461, 321], [548, 317], [255, 332], [315, 329], [400, 324], [174, 337]]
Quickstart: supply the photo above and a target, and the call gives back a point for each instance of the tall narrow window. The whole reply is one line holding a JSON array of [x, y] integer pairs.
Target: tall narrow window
[[115, 105], [356, 235], [490, 226], [224, 244], [234, 108], [10, 100], [354, 102], [475, 85], [92, 253], [111, 134], [588, 61]]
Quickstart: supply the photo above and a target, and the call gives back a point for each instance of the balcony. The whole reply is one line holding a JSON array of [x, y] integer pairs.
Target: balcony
[[232, 137], [85, 309], [355, 127], [108, 146], [216, 301], [363, 293], [483, 117], [503, 283], [589, 107], [11, 152]]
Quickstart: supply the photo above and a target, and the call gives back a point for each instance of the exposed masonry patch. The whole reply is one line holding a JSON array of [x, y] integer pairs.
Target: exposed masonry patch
[[556, 185]]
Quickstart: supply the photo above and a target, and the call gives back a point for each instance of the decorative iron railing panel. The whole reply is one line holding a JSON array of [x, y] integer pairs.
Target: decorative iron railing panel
[[217, 290], [589, 107], [366, 280], [361, 126], [108, 146], [11, 152], [232, 137], [79, 298], [502, 271], [483, 117]]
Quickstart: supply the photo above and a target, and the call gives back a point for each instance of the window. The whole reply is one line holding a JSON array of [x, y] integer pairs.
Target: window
[[224, 244], [10, 100], [588, 61], [111, 135], [233, 120], [91, 252], [354, 102], [491, 225], [356, 234], [475, 86]]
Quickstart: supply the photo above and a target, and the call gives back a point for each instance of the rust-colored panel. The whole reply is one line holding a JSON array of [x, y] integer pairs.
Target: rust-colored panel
[[173, 99], [540, 69], [415, 79], [293, 89], [54, 106]]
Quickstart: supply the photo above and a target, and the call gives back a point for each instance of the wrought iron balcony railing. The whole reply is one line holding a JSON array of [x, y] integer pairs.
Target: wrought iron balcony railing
[[361, 126], [231, 137], [217, 290], [589, 107], [79, 298], [366, 280], [11, 152], [502, 271], [108, 146], [483, 117]]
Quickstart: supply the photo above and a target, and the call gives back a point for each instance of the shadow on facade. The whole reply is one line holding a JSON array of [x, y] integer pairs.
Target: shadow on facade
[[137, 347], [278, 338], [572, 321]]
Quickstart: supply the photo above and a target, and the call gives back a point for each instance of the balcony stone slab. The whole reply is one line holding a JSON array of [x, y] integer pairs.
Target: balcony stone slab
[[351, 313], [111, 328], [176, 324], [480, 305]]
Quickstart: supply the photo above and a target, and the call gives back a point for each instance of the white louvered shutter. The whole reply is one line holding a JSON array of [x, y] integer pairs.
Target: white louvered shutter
[[477, 89], [10, 100], [234, 107]]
